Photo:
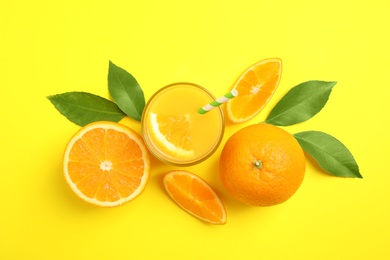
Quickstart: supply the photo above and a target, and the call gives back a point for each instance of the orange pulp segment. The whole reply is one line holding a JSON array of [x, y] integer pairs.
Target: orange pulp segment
[[195, 196], [106, 164], [173, 133], [255, 88]]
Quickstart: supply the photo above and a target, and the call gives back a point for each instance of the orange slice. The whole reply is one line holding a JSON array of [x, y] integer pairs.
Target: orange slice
[[195, 196], [106, 164], [255, 88], [173, 133]]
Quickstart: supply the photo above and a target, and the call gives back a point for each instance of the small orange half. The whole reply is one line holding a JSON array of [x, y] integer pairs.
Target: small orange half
[[195, 196], [255, 88], [106, 164]]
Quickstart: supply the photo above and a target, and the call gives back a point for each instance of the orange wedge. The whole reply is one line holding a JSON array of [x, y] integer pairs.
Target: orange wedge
[[195, 196], [173, 133], [106, 164], [255, 88]]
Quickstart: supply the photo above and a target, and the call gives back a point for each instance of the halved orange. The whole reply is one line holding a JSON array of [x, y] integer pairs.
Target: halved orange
[[255, 88], [195, 196], [173, 133], [106, 164]]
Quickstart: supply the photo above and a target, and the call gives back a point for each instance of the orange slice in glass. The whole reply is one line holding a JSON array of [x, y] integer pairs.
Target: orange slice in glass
[[106, 164], [173, 134], [255, 88], [195, 196]]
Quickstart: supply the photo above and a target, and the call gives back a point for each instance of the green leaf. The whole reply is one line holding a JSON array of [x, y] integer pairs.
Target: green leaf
[[301, 103], [83, 108], [329, 153], [125, 91]]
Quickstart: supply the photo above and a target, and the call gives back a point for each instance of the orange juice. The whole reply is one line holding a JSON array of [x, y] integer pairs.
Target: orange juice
[[174, 131]]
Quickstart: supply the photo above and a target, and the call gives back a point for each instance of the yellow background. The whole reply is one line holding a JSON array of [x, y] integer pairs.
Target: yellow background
[[50, 47]]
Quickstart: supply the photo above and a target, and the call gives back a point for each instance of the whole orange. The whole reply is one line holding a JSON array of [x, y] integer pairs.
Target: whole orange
[[262, 165]]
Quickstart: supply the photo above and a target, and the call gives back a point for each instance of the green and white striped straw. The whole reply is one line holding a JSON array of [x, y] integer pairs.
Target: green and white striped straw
[[219, 101]]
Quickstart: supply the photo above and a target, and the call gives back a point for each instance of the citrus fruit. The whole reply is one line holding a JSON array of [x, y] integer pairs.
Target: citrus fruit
[[262, 165], [195, 196], [172, 132], [106, 164], [255, 88]]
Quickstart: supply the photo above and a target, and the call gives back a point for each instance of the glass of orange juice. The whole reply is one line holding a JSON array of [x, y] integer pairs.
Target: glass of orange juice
[[173, 129]]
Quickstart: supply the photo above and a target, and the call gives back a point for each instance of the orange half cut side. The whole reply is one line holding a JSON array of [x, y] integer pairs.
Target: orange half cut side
[[106, 164]]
